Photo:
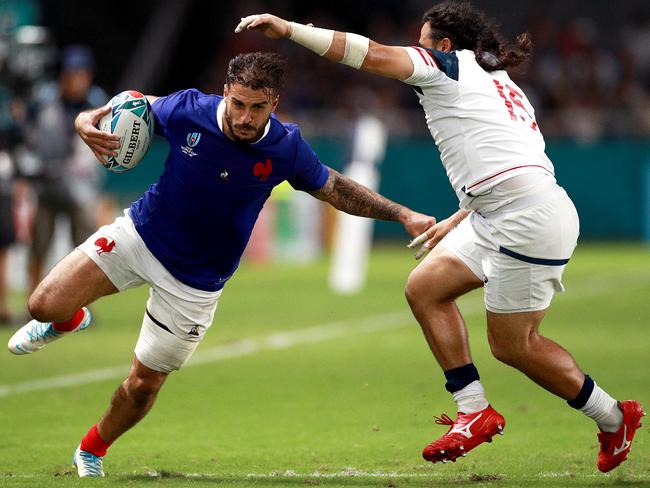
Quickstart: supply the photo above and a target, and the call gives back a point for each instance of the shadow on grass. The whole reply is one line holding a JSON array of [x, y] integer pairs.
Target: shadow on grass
[[173, 479]]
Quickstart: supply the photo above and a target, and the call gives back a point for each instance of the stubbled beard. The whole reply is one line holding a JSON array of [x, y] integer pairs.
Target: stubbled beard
[[258, 131]]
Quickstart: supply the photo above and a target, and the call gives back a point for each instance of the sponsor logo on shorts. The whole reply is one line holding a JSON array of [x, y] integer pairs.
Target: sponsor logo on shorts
[[224, 176], [263, 170], [103, 245], [194, 331]]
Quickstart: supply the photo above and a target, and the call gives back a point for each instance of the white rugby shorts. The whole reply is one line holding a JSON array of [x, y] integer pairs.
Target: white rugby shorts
[[520, 254], [177, 316]]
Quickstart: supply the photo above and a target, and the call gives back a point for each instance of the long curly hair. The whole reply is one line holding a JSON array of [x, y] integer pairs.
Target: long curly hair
[[469, 28]]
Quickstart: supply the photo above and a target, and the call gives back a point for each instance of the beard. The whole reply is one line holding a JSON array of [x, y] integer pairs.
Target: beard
[[256, 134]]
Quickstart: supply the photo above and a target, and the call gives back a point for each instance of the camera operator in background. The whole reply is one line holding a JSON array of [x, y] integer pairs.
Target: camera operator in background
[[67, 178]]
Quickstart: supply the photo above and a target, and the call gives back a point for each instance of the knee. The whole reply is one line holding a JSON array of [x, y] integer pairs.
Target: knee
[[509, 350], [39, 305], [418, 287], [46, 305], [141, 390]]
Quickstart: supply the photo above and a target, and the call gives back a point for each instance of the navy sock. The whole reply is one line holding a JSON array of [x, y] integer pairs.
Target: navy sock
[[459, 378], [585, 392]]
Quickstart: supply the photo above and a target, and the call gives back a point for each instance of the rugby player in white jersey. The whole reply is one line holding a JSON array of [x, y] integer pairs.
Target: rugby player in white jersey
[[514, 233]]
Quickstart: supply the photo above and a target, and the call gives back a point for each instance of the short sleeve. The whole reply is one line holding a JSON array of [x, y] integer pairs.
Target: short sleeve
[[310, 174], [431, 67], [164, 108]]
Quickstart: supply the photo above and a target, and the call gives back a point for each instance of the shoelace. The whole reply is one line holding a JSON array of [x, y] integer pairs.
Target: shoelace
[[91, 463], [444, 419], [41, 332]]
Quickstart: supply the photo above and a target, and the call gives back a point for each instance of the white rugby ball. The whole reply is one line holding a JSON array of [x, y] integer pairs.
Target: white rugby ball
[[131, 119]]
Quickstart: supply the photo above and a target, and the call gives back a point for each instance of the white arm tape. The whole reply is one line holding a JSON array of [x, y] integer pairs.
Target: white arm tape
[[356, 49], [314, 38]]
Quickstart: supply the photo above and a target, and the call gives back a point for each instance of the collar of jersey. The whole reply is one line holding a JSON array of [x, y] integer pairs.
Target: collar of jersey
[[220, 110]]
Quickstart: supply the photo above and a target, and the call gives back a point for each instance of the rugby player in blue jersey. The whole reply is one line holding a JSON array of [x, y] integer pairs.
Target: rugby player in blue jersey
[[186, 234]]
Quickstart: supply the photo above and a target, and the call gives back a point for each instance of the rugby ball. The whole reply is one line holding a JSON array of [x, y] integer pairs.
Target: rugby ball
[[131, 119]]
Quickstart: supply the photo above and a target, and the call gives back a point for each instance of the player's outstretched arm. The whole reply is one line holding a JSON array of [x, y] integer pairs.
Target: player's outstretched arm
[[100, 143], [343, 47], [350, 197]]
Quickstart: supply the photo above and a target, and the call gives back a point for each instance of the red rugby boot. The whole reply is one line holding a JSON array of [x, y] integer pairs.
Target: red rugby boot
[[468, 431], [615, 446]]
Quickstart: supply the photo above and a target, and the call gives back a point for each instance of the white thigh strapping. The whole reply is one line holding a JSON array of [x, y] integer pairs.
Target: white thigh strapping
[[161, 350]]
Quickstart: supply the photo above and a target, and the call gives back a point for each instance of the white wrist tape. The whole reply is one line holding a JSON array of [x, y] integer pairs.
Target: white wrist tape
[[356, 49], [314, 38]]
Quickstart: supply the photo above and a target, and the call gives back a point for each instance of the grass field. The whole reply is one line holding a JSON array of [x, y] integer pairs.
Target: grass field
[[295, 386]]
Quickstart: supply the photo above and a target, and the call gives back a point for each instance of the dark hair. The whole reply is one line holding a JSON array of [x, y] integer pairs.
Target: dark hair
[[258, 71], [469, 28]]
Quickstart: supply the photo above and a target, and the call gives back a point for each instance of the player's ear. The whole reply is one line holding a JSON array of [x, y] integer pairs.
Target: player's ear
[[225, 90], [445, 45], [276, 101]]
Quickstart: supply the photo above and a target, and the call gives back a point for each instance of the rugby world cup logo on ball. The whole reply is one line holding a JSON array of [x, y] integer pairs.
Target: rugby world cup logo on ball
[[130, 119]]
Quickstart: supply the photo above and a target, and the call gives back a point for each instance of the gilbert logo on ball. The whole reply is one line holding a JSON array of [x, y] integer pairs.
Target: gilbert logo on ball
[[131, 119]]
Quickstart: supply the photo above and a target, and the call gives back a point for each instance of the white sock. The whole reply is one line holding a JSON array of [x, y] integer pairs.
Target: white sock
[[471, 398], [604, 410]]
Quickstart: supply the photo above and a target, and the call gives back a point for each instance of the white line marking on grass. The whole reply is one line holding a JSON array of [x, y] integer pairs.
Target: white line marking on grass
[[426, 472], [348, 472], [246, 347], [283, 340], [54, 382]]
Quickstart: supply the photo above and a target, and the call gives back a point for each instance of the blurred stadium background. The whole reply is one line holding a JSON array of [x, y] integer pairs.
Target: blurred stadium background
[[589, 81]]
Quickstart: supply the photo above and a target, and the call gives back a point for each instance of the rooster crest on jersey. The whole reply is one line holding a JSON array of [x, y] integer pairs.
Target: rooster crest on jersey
[[130, 119], [263, 170]]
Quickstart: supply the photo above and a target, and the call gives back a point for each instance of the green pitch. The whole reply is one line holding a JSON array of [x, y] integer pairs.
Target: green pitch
[[295, 386]]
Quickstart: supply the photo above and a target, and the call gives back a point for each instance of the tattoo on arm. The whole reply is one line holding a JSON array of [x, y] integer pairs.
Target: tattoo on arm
[[350, 197]]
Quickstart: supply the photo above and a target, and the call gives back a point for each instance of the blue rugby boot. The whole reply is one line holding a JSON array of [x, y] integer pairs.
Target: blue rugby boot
[[88, 465], [36, 335]]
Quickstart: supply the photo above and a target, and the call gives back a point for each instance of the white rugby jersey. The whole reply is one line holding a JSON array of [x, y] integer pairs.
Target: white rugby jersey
[[482, 122]]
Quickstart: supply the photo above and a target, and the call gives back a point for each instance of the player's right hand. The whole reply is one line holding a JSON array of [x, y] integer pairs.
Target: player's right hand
[[267, 24], [431, 237], [102, 144]]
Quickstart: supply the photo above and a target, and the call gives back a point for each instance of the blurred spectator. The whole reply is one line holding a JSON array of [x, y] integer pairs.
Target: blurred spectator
[[67, 176], [589, 78], [11, 113]]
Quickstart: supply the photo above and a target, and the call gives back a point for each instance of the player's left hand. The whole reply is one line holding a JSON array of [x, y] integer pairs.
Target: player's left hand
[[416, 223], [267, 24]]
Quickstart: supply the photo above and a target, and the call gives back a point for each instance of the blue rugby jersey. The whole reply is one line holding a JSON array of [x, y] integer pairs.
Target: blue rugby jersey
[[197, 219]]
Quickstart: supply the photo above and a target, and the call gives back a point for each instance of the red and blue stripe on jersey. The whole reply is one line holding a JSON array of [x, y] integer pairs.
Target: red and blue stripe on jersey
[[445, 62]]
